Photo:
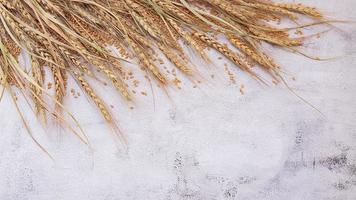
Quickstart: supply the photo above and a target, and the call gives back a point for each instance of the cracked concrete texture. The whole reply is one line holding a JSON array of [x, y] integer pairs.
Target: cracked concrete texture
[[211, 143]]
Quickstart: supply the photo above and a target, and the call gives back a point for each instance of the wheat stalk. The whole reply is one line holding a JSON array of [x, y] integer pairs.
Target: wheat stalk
[[71, 37]]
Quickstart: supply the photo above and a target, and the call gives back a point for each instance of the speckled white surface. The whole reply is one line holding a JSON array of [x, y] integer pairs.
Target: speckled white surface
[[210, 143]]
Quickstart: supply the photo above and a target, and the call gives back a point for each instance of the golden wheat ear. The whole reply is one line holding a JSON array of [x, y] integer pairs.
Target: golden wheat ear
[[71, 38]]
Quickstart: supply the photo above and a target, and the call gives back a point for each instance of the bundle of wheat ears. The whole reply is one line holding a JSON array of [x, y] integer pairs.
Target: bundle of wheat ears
[[70, 38]]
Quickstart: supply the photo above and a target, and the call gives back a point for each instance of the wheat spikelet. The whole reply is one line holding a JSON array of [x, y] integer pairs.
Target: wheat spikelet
[[301, 9], [228, 53], [261, 59], [97, 100], [179, 63], [59, 87]]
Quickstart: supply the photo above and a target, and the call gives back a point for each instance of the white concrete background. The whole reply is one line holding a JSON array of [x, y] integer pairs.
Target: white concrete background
[[210, 143]]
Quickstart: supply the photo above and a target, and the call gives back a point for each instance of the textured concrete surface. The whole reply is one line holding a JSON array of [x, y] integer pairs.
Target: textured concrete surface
[[210, 143]]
